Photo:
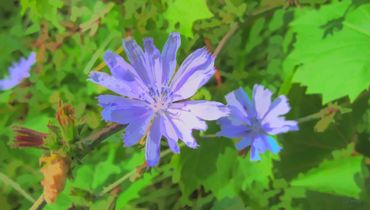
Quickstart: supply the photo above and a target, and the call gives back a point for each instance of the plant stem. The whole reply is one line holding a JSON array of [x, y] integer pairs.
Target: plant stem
[[89, 143], [118, 182], [39, 203], [225, 38], [309, 118], [128, 175], [209, 136], [16, 187]]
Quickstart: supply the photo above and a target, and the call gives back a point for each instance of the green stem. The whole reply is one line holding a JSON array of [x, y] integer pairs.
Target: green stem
[[16, 187], [127, 176], [209, 136], [225, 38], [39, 203], [309, 118]]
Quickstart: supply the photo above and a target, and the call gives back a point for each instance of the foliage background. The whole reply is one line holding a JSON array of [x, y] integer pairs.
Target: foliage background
[[317, 52]]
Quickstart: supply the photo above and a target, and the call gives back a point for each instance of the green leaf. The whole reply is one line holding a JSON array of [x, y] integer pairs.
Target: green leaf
[[335, 176], [196, 166], [185, 13], [132, 191], [105, 169], [332, 50], [37, 121], [236, 174], [229, 204], [47, 9]]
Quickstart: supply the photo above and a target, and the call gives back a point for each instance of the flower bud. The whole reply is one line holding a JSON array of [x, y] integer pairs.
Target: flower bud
[[28, 138], [66, 118]]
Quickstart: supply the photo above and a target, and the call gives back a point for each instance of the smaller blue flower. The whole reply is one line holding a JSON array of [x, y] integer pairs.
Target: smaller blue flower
[[254, 121], [17, 72]]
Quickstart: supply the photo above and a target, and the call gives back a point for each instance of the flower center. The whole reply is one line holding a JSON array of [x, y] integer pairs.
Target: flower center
[[256, 126], [162, 98]]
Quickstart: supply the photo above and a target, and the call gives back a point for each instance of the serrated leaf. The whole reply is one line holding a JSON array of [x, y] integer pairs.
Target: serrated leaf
[[195, 166], [185, 13], [132, 191], [335, 177], [105, 169], [332, 50]]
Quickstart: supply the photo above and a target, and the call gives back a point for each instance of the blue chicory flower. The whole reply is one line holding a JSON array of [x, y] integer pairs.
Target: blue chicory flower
[[254, 121], [153, 96], [17, 72]]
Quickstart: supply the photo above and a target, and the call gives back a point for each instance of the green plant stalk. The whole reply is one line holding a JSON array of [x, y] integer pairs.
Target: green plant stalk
[[127, 176], [8, 181]]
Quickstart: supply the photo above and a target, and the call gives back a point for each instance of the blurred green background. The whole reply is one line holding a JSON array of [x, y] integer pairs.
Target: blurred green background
[[317, 52]]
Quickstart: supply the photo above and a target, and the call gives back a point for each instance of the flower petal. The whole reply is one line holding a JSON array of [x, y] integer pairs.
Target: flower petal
[[137, 59], [244, 142], [118, 101], [205, 110], [17, 72], [262, 100], [170, 132], [137, 129], [119, 67], [193, 73], [184, 129], [113, 84], [169, 52], [152, 146], [280, 125], [279, 107], [259, 143], [153, 57], [254, 154], [240, 105], [188, 118], [262, 143], [231, 130], [272, 145], [121, 110]]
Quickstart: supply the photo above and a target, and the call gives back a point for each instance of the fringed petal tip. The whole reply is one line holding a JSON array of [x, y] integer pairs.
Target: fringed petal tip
[[192, 145]]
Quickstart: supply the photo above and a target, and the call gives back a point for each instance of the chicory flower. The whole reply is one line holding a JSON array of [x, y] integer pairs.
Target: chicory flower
[[153, 97], [255, 121], [17, 72]]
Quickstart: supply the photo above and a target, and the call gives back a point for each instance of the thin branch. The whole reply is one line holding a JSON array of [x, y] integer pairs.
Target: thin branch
[[39, 204], [209, 136], [224, 39], [95, 139], [16, 187], [87, 144], [309, 118], [128, 175]]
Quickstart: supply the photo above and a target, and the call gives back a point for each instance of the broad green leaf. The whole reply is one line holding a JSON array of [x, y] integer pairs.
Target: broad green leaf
[[332, 50], [338, 176], [222, 183], [105, 169], [133, 189], [196, 166], [38, 121], [237, 174], [185, 13]]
